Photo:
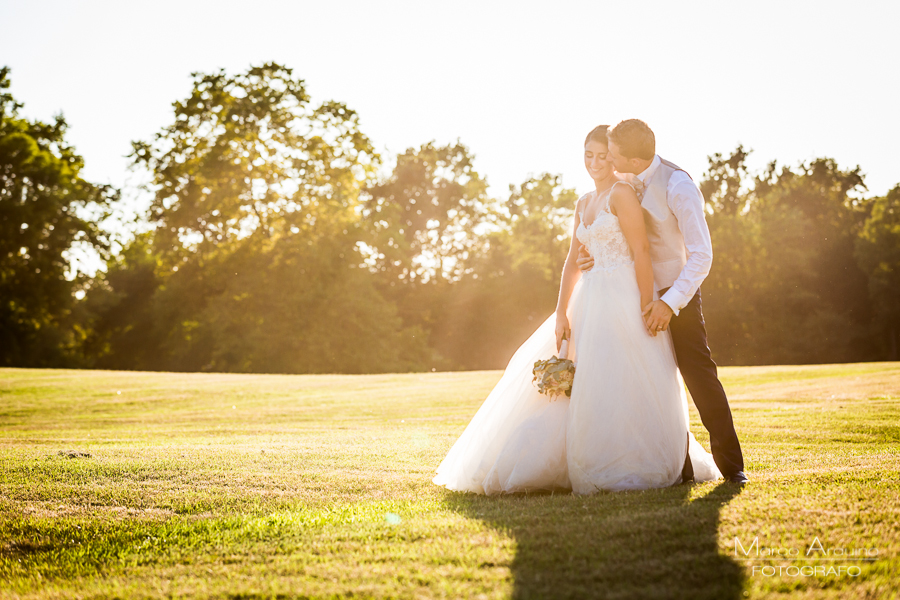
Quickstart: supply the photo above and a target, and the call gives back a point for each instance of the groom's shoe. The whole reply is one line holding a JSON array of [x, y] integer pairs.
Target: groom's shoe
[[687, 470], [739, 478]]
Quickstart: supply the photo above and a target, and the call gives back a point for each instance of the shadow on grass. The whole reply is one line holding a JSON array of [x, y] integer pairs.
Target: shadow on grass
[[644, 544]]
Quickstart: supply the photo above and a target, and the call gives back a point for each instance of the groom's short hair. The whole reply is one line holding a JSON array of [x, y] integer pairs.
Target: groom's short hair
[[634, 138]]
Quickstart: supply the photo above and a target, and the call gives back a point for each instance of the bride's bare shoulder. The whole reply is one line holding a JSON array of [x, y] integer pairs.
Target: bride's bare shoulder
[[623, 189], [622, 194]]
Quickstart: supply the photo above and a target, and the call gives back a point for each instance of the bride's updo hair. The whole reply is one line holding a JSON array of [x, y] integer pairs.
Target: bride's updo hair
[[598, 134], [634, 138]]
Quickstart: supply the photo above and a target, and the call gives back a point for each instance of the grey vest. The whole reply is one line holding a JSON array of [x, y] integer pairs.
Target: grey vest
[[667, 250]]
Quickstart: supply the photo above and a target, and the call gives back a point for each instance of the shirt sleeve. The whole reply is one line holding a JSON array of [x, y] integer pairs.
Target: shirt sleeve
[[686, 203]]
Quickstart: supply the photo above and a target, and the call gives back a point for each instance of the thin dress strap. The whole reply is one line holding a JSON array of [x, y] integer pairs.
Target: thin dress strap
[[609, 195], [604, 207], [584, 201], [591, 196]]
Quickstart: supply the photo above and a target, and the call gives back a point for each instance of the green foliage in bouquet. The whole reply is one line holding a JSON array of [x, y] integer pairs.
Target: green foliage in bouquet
[[554, 376]]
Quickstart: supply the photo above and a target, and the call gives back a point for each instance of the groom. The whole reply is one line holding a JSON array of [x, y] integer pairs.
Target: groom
[[681, 253]]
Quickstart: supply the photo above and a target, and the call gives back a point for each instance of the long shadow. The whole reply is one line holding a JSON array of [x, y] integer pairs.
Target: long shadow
[[645, 544]]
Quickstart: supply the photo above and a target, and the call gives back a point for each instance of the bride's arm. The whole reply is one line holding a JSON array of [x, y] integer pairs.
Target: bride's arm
[[626, 206], [570, 275]]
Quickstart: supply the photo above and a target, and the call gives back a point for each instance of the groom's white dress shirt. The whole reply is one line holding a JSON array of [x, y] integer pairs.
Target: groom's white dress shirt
[[686, 203]]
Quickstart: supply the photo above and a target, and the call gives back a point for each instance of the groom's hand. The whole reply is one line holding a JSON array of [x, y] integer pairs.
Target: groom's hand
[[584, 261], [657, 315]]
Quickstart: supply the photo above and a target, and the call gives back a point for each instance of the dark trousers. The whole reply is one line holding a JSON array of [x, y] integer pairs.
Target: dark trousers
[[701, 377]]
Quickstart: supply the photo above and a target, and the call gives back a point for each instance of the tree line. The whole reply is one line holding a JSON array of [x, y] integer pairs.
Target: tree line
[[276, 242]]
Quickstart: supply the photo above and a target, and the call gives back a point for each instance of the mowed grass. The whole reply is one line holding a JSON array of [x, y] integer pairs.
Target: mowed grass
[[250, 486]]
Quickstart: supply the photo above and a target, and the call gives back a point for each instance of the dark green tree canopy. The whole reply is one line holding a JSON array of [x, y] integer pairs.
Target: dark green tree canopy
[[878, 252], [785, 286], [46, 208]]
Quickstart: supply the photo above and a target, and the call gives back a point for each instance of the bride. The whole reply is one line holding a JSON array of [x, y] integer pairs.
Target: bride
[[626, 423]]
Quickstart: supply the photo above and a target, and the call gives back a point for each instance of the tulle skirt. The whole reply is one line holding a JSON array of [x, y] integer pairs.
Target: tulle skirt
[[625, 426]]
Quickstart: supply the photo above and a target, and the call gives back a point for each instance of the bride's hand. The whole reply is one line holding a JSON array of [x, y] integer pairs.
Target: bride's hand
[[563, 331], [584, 261]]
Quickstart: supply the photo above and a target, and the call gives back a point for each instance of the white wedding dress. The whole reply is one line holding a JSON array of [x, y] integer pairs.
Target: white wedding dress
[[626, 424]]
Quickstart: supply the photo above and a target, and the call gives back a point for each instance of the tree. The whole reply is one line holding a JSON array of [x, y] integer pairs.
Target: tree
[[253, 262], [126, 328], [289, 307], [46, 210], [424, 221], [784, 285], [810, 218], [513, 280], [732, 292], [724, 182], [878, 253], [248, 155]]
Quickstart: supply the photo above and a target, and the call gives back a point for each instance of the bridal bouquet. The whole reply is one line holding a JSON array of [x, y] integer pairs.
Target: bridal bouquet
[[555, 375]]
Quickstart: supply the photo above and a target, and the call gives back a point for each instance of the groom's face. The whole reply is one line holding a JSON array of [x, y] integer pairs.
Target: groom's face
[[622, 164]]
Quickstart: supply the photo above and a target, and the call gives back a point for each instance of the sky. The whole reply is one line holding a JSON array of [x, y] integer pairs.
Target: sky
[[520, 83]]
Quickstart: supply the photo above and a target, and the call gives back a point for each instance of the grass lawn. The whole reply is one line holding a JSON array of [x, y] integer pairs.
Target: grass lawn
[[252, 486]]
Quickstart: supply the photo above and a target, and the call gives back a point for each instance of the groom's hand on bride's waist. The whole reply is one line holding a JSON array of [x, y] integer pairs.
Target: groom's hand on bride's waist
[[584, 261], [657, 315]]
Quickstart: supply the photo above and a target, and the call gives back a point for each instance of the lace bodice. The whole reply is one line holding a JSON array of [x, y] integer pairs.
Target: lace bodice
[[603, 237]]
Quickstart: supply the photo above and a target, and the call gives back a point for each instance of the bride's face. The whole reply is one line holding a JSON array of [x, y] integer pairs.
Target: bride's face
[[597, 161]]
